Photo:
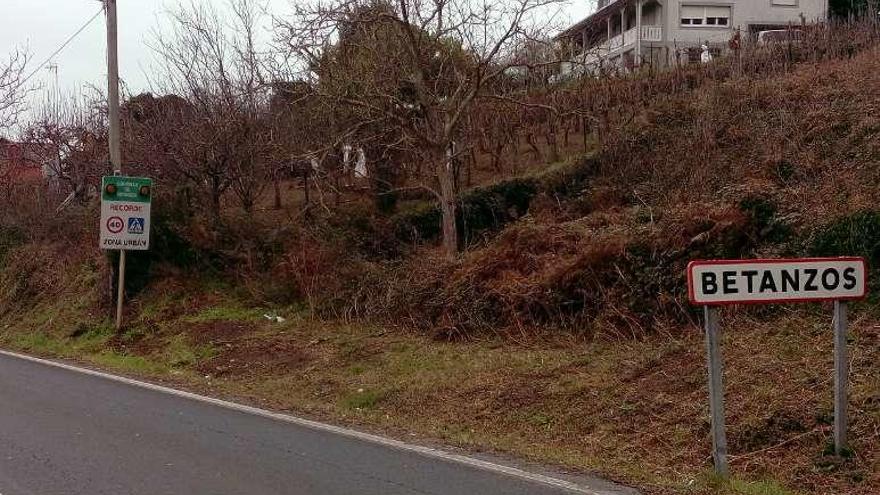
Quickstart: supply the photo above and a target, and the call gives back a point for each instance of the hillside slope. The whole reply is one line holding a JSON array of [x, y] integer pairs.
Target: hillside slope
[[563, 334]]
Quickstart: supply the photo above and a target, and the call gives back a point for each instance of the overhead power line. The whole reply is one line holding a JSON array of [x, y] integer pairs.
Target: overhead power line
[[62, 47]]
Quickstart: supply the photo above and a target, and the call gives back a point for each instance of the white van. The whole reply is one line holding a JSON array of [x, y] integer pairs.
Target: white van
[[774, 36]]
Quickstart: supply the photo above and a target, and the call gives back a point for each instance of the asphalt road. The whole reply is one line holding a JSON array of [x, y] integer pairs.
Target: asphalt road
[[63, 432]]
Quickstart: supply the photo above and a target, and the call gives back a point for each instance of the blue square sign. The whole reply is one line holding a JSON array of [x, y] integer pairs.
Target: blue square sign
[[136, 225]]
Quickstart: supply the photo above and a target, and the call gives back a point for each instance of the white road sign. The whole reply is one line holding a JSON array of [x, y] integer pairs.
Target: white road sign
[[125, 213], [715, 283], [771, 281]]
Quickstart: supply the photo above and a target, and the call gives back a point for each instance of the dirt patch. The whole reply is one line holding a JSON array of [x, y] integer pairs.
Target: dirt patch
[[218, 332], [654, 376], [256, 357], [140, 344]]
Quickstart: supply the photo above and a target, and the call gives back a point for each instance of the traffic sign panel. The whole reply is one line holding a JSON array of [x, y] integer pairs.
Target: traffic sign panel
[[773, 281], [763, 281], [125, 213]]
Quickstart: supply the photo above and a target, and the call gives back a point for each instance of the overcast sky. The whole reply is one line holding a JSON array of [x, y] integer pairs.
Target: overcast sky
[[43, 25]]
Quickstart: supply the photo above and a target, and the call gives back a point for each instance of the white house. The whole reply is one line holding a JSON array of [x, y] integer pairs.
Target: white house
[[627, 33]]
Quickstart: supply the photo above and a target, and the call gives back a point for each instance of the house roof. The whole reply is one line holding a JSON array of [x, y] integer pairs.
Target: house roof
[[595, 21]]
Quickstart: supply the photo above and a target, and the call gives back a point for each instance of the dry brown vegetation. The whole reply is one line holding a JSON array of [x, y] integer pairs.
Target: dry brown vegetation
[[633, 410], [561, 332]]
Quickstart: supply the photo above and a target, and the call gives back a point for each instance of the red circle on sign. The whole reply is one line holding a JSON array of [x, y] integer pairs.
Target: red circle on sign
[[115, 225]]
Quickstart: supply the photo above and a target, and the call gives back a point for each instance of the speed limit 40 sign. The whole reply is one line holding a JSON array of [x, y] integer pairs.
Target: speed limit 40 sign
[[125, 213]]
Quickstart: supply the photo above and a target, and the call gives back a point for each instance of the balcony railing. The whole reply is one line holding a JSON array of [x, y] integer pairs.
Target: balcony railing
[[594, 55], [614, 43], [629, 37], [649, 33], [652, 33]]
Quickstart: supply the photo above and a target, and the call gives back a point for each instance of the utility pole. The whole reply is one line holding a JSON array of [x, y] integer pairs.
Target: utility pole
[[115, 152]]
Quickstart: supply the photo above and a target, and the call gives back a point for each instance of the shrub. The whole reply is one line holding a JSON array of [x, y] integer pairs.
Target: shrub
[[764, 220], [490, 208], [10, 238], [480, 210], [170, 243], [177, 239], [418, 224], [857, 234], [569, 180]]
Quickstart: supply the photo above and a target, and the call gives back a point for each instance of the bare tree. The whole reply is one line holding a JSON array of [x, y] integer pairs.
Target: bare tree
[[212, 61], [300, 126], [12, 88], [413, 69], [72, 132]]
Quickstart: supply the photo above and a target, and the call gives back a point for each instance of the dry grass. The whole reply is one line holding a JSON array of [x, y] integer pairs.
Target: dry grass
[[669, 187], [564, 339], [807, 137], [632, 410]]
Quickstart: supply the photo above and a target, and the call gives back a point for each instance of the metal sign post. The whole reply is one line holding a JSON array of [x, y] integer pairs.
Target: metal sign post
[[729, 282], [716, 391], [120, 290], [125, 222], [841, 377]]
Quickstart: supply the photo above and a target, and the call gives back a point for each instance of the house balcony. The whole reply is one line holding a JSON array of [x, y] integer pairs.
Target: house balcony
[[619, 31], [629, 38], [615, 46]]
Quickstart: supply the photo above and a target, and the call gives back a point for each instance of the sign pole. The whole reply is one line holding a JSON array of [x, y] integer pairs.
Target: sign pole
[[713, 283], [716, 391], [115, 151], [841, 376], [120, 290]]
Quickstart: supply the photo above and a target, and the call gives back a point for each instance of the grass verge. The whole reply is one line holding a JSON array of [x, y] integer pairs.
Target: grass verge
[[630, 410]]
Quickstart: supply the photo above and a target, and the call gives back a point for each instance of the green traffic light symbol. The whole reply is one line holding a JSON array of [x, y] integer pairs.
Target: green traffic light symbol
[[110, 189], [144, 191]]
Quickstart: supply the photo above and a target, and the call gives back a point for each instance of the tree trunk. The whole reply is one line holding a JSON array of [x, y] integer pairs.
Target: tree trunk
[[530, 139], [215, 199], [472, 164], [446, 177], [305, 178], [276, 186], [584, 132], [552, 139], [384, 184]]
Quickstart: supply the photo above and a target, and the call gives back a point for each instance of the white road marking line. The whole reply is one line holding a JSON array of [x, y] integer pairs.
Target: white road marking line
[[366, 437]]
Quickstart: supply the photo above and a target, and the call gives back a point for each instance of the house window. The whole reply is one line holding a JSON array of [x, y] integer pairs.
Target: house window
[[704, 15]]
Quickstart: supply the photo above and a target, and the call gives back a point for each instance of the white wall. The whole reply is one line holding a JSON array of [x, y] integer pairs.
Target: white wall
[[743, 14]]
